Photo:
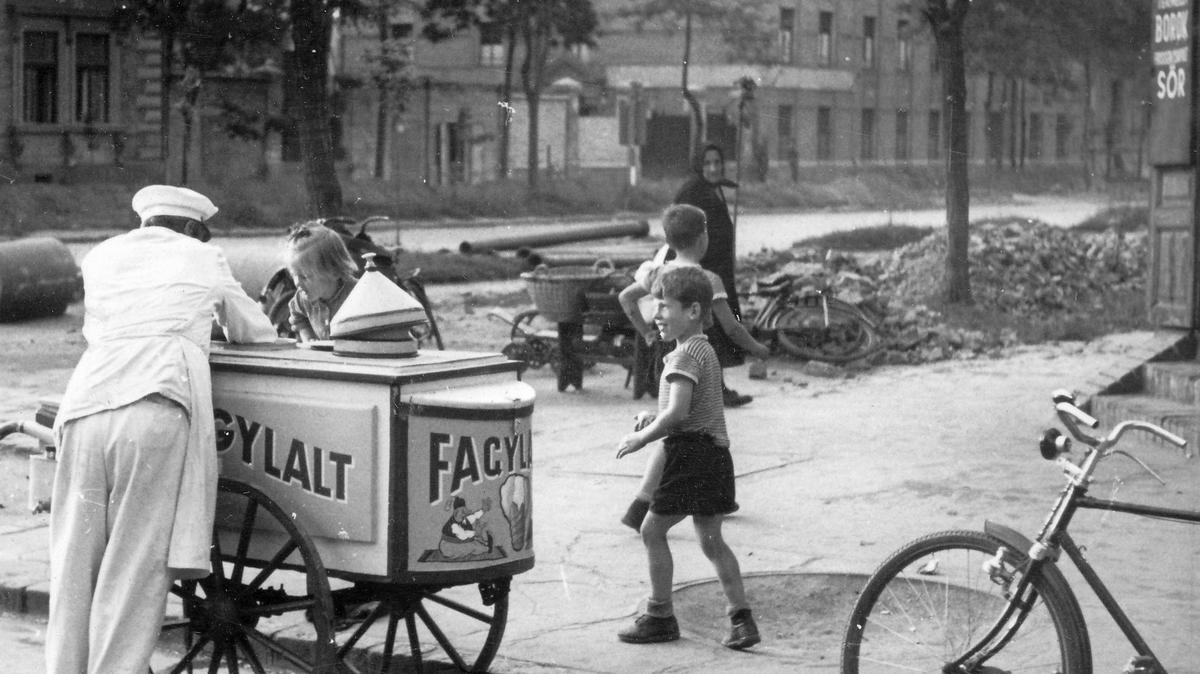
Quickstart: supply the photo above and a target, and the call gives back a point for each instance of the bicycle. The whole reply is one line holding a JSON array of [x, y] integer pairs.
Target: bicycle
[[811, 323], [994, 601], [280, 287]]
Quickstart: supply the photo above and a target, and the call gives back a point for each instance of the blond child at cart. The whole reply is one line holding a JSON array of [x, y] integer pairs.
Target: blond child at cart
[[324, 272], [697, 474], [685, 229]]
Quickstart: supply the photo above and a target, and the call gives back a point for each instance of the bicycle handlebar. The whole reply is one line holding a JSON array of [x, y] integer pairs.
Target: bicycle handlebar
[[1073, 417]]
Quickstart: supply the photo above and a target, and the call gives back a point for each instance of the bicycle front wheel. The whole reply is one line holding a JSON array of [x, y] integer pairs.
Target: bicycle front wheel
[[934, 599], [804, 331]]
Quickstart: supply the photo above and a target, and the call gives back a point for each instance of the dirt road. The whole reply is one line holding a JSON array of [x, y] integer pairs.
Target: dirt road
[[834, 473]]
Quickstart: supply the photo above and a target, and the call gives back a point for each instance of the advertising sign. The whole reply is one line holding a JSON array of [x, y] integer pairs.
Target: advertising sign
[[1171, 114], [470, 497], [315, 458]]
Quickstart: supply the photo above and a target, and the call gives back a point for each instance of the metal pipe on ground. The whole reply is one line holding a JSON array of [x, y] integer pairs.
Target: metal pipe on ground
[[564, 235], [38, 277], [533, 258]]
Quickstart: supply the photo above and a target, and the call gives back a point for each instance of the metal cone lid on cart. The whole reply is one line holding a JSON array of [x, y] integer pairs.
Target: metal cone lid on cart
[[376, 319]]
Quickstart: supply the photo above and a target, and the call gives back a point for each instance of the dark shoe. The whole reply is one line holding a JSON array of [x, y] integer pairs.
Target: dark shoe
[[636, 514], [648, 629], [743, 633], [735, 399]]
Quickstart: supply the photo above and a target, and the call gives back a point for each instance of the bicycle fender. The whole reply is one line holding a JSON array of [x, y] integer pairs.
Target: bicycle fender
[[1014, 539]]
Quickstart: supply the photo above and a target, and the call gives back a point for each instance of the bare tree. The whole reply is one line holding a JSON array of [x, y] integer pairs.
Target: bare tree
[[306, 70], [946, 19], [542, 27]]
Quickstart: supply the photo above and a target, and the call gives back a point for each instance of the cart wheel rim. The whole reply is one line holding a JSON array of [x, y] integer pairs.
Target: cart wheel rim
[[267, 600], [461, 626]]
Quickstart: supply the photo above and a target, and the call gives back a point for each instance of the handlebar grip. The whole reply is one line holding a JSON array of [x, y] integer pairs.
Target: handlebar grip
[[1066, 409], [1172, 438], [1063, 395]]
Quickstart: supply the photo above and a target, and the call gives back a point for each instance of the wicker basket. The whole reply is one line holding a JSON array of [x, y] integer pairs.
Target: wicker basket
[[560, 292]]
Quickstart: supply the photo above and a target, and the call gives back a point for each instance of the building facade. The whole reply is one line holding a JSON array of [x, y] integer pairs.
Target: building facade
[[843, 84], [83, 98]]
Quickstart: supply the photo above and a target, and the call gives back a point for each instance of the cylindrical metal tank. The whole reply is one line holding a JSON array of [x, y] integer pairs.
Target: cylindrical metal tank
[[38, 277]]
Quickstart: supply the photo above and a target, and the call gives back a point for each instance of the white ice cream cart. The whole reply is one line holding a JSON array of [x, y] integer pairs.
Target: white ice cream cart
[[394, 488]]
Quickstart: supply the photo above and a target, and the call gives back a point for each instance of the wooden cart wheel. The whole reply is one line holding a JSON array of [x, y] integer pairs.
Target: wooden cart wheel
[[460, 626], [256, 610]]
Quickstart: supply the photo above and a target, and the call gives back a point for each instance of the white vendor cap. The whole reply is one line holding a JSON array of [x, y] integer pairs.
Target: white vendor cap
[[154, 200]]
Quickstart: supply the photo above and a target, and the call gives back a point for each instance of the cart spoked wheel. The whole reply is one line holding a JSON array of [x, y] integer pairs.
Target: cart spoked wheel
[[459, 626], [267, 601]]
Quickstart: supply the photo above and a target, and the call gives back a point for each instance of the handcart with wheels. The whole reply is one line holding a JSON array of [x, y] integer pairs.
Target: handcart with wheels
[[590, 325], [359, 497]]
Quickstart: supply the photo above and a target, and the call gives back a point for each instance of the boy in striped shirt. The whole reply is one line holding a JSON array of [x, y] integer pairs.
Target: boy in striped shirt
[[686, 232], [697, 475]]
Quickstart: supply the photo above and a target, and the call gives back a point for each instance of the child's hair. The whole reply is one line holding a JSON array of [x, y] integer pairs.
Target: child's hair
[[686, 285], [319, 247], [683, 224]]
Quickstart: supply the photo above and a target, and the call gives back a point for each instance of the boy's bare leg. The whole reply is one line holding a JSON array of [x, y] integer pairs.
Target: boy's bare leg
[[656, 459], [658, 553], [708, 529]]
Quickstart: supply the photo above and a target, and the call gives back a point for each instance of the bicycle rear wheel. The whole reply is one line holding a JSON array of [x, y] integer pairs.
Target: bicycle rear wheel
[[848, 336], [932, 601]]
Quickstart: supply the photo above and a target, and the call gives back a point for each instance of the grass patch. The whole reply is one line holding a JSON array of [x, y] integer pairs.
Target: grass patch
[[280, 200], [878, 237]]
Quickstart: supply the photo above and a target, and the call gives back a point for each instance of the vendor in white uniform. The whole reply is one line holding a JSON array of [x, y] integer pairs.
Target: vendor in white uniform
[[136, 483]]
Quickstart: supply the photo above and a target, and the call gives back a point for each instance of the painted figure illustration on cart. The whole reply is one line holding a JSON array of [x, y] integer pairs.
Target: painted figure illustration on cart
[[470, 535]]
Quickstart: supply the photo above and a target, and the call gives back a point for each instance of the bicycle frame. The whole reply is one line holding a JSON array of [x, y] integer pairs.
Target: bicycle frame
[[1054, 537]]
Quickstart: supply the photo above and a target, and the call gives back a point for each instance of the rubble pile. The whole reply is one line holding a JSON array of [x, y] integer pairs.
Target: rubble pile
[[1019, 268]]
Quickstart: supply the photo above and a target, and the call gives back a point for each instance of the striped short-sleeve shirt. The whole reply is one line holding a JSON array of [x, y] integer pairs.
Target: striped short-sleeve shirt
[[696, 360]]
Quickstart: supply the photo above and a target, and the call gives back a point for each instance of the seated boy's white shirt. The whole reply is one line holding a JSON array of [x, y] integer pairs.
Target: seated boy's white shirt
[[645, 303]]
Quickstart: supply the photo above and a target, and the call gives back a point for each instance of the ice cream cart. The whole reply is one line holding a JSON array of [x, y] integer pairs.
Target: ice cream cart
[[397, 488]]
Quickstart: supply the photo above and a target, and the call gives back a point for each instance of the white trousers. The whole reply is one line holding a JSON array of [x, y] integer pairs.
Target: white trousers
[[111, 517]]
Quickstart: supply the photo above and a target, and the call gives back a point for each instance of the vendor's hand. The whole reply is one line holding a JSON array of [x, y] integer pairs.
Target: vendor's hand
[[643, 420], [630, 444]]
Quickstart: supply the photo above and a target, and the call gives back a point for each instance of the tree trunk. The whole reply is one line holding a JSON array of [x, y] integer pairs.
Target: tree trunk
[[987, 116], [381, 112], [185, 149], [1012, 123], [1089, 164], [164, 98], [311, 28], [533, 98], [695, 129], [506, 101], [1112, 129], [1023, 132], [537, 49], [946, 17]]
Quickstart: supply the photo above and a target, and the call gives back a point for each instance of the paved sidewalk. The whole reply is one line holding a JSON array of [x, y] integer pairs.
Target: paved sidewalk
[[833, 475]]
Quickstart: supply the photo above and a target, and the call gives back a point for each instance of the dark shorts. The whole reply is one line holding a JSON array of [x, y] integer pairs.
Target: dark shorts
[[697, 478]]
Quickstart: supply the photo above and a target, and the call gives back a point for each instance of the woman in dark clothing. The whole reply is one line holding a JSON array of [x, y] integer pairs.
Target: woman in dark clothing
[[703, 190]]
